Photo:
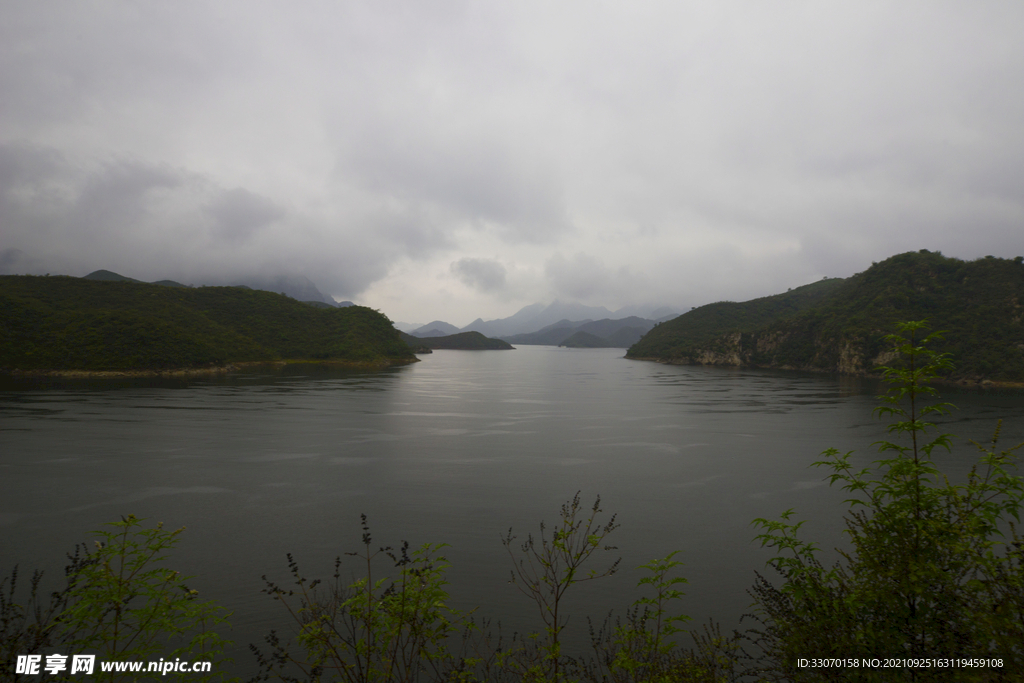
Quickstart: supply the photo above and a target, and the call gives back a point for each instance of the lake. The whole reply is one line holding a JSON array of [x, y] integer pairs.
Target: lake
[[455, 449]]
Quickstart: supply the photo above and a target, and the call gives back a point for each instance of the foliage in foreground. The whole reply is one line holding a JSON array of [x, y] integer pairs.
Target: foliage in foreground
[[120, 603], [401, 629], [934, 570]]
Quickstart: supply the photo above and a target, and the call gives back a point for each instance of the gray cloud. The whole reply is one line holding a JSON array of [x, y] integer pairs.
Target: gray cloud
[[584, 278], [14, 261], [467, 177], [674, 153], [85, 65], [155, 221], [123, 193], [23, 166], [486, 275], [239, 213]]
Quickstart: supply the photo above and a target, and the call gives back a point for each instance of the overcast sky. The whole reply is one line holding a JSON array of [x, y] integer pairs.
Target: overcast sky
[[449, 160]]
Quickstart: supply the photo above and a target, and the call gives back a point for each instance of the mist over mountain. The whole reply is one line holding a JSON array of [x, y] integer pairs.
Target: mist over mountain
[[536, 317], [651, 312], [297, 287], [438, 328], [551, 324], [607, 333]]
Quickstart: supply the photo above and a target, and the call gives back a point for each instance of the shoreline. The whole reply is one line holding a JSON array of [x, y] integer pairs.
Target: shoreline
[[983, 383], [199, 372]]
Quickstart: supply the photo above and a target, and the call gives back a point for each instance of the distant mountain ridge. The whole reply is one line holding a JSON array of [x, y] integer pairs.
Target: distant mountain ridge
[[438, 328], [299, 287], [838, 325], [543, 317], [536, 317], [606, 333]]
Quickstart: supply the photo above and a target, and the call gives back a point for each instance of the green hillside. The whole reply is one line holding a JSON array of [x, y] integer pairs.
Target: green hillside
[[625, 337], [673, 338], [463, 341], [977, 304], [66, 323]]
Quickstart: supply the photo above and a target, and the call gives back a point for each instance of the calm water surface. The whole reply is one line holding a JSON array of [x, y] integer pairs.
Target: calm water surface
[[454, 449]]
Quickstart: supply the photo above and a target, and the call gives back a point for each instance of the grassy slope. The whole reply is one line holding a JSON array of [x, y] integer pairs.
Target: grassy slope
[[65, 323], [977, 303]]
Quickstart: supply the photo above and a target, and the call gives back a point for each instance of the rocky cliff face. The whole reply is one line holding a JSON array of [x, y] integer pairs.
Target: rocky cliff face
[[726, 351], [771, 349], [845, 357], [851, 360]]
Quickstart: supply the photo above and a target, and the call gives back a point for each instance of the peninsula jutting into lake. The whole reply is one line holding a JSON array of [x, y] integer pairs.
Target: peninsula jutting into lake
[[76, 324], [838, 325]]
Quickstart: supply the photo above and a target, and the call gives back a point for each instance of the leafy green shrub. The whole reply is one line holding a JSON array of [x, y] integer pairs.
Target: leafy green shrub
[[119, 603], [640, 649], [30, 626], [930, 573], [123, 605], [399, 628], [373, 629], [547, 568]]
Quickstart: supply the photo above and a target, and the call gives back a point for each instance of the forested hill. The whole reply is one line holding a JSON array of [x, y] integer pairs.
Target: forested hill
[[672, 338], [67, 323], [839, 326], [463, 341]]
